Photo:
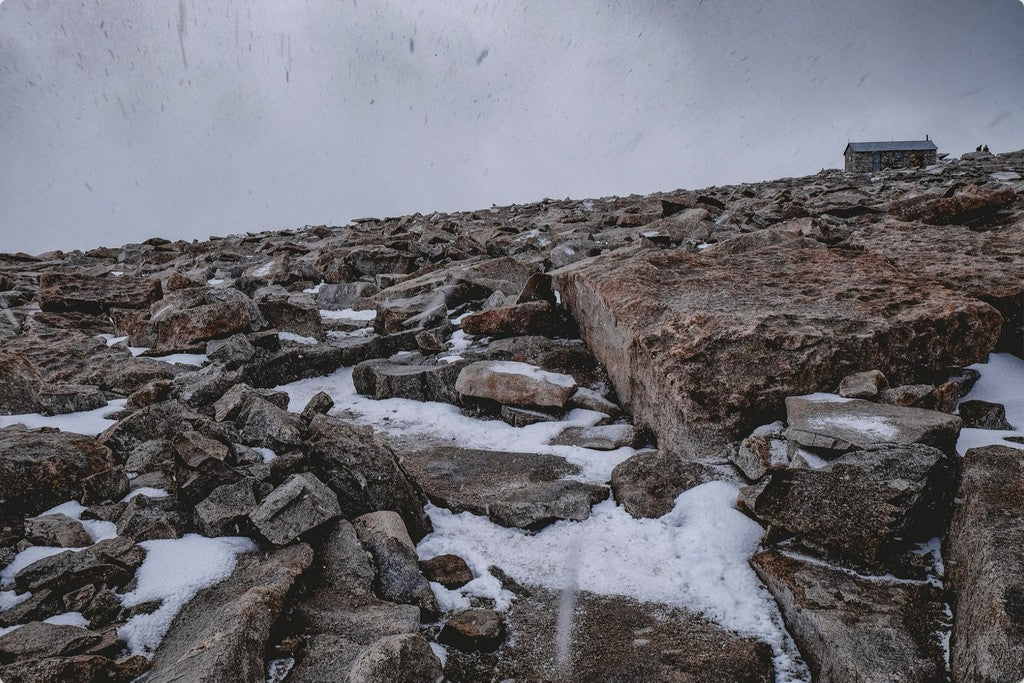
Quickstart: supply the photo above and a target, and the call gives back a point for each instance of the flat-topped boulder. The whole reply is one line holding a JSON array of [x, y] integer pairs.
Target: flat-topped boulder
[[612, 639], [524, 490], [831, 423], [64, 291], [514, 383], [702, 348]]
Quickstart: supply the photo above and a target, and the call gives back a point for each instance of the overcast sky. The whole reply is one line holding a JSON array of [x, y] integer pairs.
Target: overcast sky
[[124, 120]]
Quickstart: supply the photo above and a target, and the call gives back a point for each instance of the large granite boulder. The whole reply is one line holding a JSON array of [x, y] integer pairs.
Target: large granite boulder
[[985, 567], [864, 506], [856, 630], [986, 265], [703, 348], [365, 473]]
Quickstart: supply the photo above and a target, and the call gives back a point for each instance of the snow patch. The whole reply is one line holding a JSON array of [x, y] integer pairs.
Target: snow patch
[[444, 423], [298, 338], [348, 314], [174, 571], [88, 422], [509, 367], [1002, 381], [695, 557], [68, 619], [147, 491]]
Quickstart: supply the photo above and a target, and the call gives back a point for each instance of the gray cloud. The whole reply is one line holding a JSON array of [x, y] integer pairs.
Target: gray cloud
[[123, 120]]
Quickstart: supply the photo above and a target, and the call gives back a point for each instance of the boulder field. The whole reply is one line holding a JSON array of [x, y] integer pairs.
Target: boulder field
[[340, 453]]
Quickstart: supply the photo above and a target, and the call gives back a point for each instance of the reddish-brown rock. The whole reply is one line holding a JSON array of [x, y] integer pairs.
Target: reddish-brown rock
[[62, 291], [704, 348], [39, 469], [986, 265], [532, 317]]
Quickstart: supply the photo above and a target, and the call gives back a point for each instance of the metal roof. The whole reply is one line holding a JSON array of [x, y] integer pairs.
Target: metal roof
[[893, 146]]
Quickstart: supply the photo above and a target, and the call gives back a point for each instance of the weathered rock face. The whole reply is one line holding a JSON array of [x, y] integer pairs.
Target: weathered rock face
[[701, 347], [61, 291], [39, 469], [613, 639], [647, 484], [985, 567], [837, 425], [983, 415], [523, 490], [221, 634], [863, 506], [513, 383], [364, 472], [986, 265], [532, 317], [20, 384], [855, 630], [969, 206]]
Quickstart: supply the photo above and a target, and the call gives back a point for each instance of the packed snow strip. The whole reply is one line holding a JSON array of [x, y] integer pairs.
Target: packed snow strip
[[89, 422], [444, 423], [174, 571], [348, 314], [297, 338], [148, 491], [508, 367], [695, 557], [876, 427], [1002, 381]]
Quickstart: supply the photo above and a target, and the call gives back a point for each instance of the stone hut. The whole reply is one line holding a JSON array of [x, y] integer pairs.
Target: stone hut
[[878, 156]]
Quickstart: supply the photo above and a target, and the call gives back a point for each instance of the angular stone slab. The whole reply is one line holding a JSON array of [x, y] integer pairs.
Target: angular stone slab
[[703, 348], [220, 635], [301, 503], [985, 567], [831, 423], [523, 490], [855, 630], [865, 505], [40, 469]]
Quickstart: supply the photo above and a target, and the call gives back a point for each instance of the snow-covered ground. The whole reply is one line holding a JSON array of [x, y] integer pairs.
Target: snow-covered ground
[[1002, 381], [694, 557], [89, 422]]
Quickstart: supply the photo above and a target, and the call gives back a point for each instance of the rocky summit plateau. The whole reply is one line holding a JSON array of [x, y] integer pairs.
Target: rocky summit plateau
[[760, 432]]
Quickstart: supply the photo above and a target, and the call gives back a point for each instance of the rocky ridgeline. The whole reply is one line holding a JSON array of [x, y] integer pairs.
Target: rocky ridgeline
[[701, 321]]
